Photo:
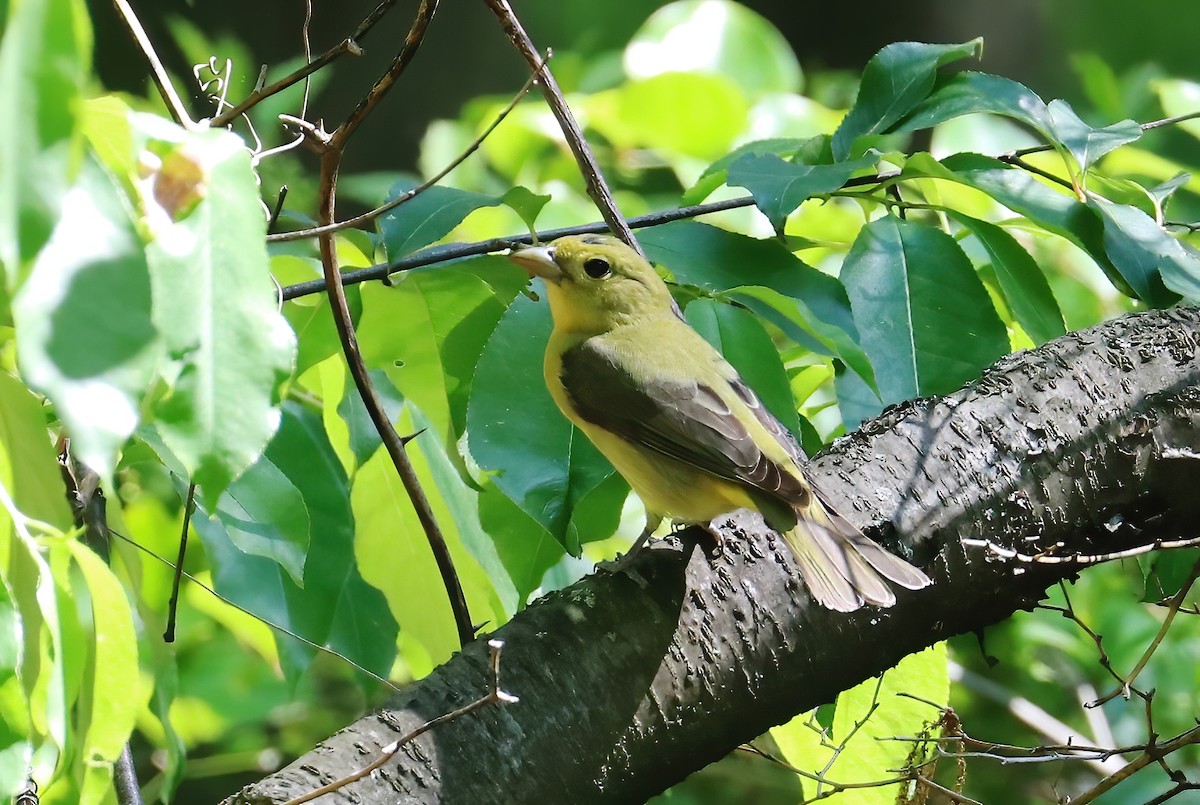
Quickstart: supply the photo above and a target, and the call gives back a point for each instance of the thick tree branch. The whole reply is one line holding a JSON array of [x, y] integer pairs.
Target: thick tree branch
[[1088, 443]]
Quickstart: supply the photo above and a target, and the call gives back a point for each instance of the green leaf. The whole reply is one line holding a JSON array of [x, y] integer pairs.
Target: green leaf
[[28, 468], [1057, 212], [428, 331], [393, 551], [926, 320], [857, 401], [1021, 281], [86, 335], [678, 113], [215, 305], [44, 60], [1157, 265], [969, 93], [111, 711], [1085, 143], [426, 217], [335, 607], [868, 755], [264, 515], [718, 37], [737, 335], [714, 175], [542, 462], [16, 748], [894, 81], [780, 187], [818, 312], [1165, 572], [525, 203], [1179, 97]]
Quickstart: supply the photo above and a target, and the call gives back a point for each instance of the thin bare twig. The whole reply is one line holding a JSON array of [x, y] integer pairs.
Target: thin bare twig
[[1047, 558], [493, 696], [1152, 754], [348, 45], [157, 71], [1172, 611], [596, 186], [421, 188], [173, 603]]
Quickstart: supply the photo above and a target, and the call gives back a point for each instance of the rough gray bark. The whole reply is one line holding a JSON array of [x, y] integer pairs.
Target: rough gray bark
[[1092, 441]]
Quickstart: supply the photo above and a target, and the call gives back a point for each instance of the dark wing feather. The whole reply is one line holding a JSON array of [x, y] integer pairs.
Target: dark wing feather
[[684, 420]]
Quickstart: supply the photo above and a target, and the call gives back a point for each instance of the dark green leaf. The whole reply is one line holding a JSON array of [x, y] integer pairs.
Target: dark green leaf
[[264, 515], [737, 335], [780, 187], [84, 322], [1083, 142], [426, 217], [970, 93], [1055, 211], [714, 175], [1166, 572], [926, 320], [1163, 192], [818, 311], [1021, 280], [894, 81], [542, 462], [1157, 265], [215, 305], [526, 549], [335, 607], [857, 401], [44, 59]]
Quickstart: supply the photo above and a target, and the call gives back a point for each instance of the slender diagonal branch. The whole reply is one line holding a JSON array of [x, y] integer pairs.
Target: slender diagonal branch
[[157, 71], [596, 186], [412, 43]]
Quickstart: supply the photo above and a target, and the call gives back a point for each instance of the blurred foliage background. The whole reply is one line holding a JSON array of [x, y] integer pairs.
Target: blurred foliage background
[[241, 706]]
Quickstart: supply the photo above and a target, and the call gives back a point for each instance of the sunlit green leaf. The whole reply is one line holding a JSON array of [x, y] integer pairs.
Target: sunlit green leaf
[[44, 60], [28, 469], [714, 36], [525, 203], [894, 81], [87, 337], [215, 306], [681, 113], [926, 320], [1179, 97], [427, 332], [114, 665]]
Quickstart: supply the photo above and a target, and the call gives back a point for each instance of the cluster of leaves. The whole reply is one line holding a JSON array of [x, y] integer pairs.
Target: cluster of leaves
[[139, 318]]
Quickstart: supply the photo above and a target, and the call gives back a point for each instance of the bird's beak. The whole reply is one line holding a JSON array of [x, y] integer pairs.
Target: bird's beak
[[538, 261]]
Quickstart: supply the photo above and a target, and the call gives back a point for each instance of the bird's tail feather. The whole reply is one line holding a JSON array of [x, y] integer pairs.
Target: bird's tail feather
[[843, 569]]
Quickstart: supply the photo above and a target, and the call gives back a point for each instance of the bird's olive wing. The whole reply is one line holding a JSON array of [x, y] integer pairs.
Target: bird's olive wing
[[684, 420]]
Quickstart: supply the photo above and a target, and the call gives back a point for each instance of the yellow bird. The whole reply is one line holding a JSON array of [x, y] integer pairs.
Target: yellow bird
[[680, 425]]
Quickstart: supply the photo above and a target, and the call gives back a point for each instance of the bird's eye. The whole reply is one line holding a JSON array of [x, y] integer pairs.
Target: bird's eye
[[597, 268]]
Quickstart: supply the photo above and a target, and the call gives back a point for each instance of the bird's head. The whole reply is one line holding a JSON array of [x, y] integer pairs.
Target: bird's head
[[596, 283]]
